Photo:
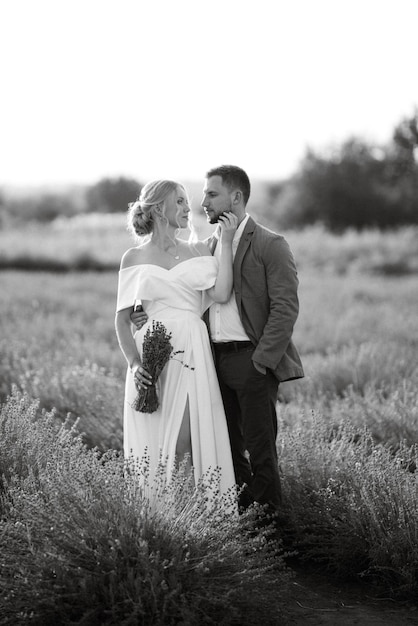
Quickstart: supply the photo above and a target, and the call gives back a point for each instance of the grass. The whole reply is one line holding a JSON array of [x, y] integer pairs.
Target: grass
[[97, 241], [358, 337], [348, 431], [367, 252], [358, 346], [58, 344]]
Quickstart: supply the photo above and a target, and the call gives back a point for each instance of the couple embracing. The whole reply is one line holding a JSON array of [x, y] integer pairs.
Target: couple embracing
[[229, 305]]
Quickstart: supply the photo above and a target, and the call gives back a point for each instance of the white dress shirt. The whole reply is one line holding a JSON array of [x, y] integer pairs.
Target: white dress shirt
[[224, 320]]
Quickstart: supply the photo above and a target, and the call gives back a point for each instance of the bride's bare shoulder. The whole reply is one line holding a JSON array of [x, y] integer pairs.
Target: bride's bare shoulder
[[133, 256]]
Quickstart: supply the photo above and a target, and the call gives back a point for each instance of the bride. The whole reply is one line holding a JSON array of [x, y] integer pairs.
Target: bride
[[175, 282]]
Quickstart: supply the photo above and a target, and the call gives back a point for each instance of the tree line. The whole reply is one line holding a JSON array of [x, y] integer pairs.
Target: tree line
[[109, 195], [353, 185]]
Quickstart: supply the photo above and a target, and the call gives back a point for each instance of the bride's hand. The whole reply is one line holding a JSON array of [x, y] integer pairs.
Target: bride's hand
[[229, 224], [141, 377]]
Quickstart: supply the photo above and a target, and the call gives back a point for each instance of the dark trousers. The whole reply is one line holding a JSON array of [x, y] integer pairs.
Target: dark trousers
[[249, 399]]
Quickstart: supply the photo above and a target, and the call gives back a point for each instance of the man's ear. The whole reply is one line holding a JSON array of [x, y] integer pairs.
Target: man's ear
[[236, 197]]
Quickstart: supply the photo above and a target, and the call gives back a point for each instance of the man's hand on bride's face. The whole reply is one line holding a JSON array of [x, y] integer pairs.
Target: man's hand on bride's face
[[139, 318], [229, 224]]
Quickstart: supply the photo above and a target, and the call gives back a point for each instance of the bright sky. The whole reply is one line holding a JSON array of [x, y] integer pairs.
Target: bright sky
[[170, 88]]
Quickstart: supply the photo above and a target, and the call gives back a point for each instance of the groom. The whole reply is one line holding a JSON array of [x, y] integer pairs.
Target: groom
[[251, 336]]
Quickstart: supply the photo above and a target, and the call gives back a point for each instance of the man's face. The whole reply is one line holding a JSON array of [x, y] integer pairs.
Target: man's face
[[216, 199]]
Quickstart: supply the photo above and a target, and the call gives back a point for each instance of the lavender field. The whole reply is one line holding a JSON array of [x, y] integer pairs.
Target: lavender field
[[348, 432]]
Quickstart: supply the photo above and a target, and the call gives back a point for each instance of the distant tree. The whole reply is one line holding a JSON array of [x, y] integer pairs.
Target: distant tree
[[44, 207], [403, 165], [49, 206], [354, 185], [405, 146], [111, 195], [3, 210]]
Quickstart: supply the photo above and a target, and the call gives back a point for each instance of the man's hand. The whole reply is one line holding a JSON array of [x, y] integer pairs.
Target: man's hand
[[260, 368], [139, 317]]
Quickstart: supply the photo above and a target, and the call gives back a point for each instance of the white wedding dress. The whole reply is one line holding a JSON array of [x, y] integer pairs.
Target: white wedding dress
[[177, 298]]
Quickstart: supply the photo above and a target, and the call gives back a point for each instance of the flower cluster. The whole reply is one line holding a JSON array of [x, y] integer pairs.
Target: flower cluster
[[156, 351]]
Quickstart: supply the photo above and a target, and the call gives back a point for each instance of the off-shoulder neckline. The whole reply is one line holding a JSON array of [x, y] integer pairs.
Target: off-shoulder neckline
[[138, 265]]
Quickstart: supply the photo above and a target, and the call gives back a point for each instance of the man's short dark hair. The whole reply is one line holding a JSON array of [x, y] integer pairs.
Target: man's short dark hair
[[233, 177]]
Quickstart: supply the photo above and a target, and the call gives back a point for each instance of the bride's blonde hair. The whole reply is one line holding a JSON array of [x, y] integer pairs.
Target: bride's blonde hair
[[140, 217]]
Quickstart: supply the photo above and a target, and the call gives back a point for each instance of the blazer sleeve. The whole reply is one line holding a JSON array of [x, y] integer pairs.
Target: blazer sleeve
[[282, 285]]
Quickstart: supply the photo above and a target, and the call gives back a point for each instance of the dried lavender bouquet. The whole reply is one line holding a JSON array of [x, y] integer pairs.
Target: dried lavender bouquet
[[156, 351]]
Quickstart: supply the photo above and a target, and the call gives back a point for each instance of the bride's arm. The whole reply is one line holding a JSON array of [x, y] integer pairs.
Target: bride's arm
[[222, 289], [127, 345]]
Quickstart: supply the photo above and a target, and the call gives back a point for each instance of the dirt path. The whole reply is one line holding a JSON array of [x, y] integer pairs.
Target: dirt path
[[316, 600]]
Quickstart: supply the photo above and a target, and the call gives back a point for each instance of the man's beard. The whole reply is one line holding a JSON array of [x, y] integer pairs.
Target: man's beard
[[215, 218]]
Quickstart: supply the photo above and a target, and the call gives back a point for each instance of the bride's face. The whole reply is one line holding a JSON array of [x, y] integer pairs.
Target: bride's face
[[177, 208]]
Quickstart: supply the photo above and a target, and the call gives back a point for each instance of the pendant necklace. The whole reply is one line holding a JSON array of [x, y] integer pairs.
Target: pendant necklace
[[175, 256]]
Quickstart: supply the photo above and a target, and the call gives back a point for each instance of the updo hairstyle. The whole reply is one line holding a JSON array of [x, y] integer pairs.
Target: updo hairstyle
[[140, 217]]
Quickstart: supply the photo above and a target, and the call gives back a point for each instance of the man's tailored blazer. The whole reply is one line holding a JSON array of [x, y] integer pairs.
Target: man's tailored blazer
[[265, 286]]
